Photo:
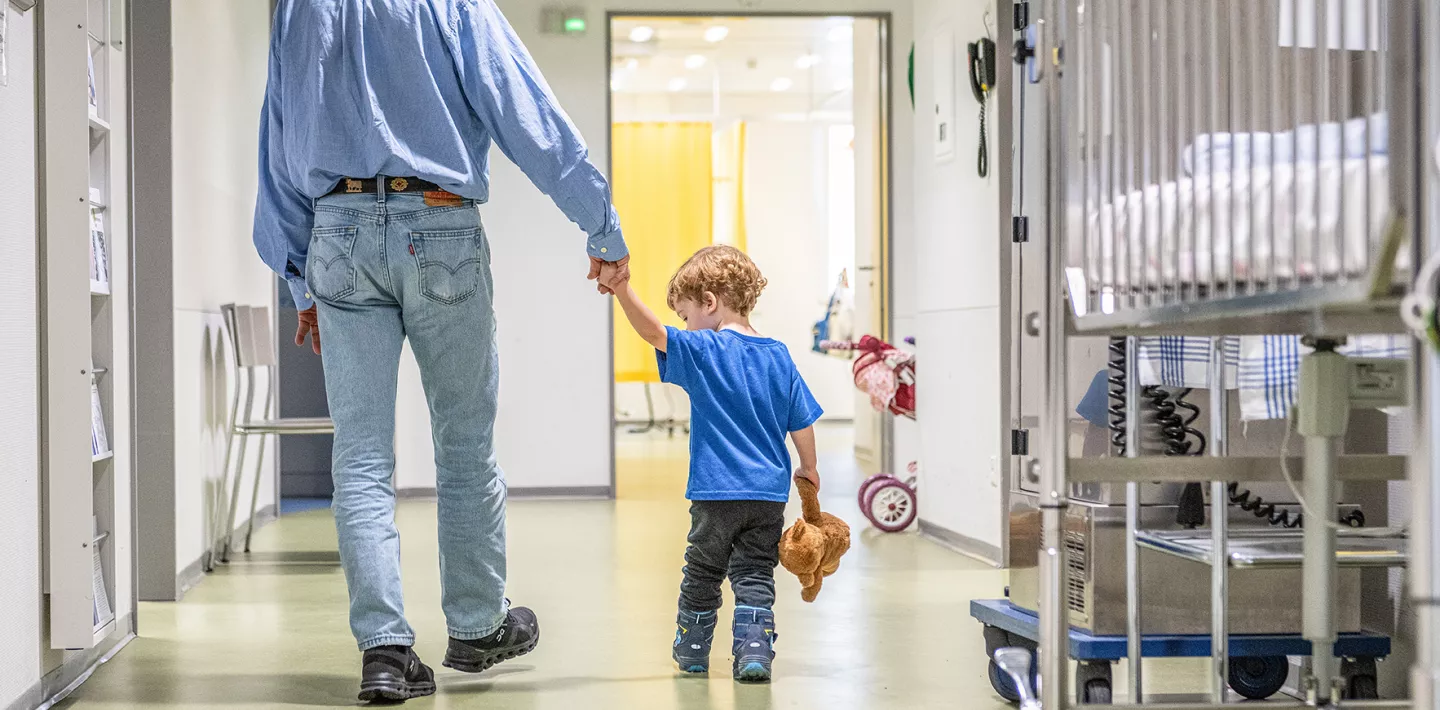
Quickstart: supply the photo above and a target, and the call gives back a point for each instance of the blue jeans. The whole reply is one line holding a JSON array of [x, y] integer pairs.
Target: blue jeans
[[384, 268]]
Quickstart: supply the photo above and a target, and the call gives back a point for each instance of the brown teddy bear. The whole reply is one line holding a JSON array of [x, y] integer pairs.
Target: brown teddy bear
[[812, 547]]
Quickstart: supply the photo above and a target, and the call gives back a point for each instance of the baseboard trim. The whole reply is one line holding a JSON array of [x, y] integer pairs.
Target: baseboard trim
[[963, 544], [187, 578], [61, 682], [569, 492]]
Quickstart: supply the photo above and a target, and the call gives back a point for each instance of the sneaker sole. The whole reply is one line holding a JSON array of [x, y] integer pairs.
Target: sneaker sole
[[482, 663], [395, 692], [692, 667], [753, 672]]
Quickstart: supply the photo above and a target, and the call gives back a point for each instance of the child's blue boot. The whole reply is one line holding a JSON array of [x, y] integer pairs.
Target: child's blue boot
[[694, 632], [754, 646]]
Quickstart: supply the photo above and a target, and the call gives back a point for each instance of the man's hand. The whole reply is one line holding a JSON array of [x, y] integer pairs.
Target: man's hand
[[596, 265], [309, 326], [810, 475], [614, 278]]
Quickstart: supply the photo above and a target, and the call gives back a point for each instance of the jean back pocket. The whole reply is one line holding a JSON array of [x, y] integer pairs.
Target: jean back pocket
[[331, 264], [450, 262]]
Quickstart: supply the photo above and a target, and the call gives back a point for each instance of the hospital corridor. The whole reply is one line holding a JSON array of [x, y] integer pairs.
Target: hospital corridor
[[720, 354]]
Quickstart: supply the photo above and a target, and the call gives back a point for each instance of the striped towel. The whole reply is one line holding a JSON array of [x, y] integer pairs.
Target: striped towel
[[1264, 368]]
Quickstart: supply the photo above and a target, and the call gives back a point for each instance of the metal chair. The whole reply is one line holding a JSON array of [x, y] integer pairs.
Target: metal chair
[[252, 348]]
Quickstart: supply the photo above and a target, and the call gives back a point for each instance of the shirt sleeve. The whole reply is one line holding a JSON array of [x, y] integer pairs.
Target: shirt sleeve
[[284, 216], [677, 363], [507, 91], [804, 410]]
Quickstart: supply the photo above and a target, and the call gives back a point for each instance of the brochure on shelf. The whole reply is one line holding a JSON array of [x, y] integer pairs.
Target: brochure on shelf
[[104, 614], [99, 442], [99, 254]]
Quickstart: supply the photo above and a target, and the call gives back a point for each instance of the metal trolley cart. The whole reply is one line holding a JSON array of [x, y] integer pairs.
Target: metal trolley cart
[[1213, 171]]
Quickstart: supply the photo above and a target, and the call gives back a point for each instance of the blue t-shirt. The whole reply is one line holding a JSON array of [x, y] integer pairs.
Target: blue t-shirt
[[745, 397]]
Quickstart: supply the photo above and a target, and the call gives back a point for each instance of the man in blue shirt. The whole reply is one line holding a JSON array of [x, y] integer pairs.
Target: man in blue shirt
[[374, 146]]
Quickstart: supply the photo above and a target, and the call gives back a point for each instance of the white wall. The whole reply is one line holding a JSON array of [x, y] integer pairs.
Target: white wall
[[554, 328], [20, 655], [957, 297], [220, 63], [786, 215]]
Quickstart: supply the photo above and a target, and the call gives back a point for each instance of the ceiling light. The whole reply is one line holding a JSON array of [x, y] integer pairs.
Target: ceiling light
[[806, 61], [695, 61], [677, 84], [781, 84], [841, 33], [717, 33], [641, 34]]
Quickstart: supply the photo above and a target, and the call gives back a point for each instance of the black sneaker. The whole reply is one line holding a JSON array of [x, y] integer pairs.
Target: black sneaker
[[394, 674], [517, 636]]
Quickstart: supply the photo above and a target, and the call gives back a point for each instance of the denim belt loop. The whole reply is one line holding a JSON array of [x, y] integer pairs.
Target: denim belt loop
[[380, 190]]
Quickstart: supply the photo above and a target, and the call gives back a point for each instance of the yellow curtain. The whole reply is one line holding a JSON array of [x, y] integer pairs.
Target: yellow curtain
[[729, 149], [663, 191]]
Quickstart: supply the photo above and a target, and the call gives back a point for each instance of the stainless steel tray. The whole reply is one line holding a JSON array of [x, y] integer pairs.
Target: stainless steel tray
[[1359, 547]]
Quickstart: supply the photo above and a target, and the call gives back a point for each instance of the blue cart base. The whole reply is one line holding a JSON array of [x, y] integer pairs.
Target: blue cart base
[[1258, 669]]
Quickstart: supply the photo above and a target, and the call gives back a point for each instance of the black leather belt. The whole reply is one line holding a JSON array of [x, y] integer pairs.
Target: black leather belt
[[370, 186]]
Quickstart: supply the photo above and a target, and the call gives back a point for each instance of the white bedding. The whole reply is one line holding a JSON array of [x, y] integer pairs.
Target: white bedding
[[1195, 234]]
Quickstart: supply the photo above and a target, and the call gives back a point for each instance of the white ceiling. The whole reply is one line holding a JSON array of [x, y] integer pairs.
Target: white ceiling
[[757, 56]]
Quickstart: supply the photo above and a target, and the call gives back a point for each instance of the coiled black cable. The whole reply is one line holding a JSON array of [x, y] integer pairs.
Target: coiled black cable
[[1255, 505], [1176, 432], [1115, 377]]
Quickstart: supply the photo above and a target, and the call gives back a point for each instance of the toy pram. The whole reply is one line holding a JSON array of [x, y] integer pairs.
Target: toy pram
[[887, 374]]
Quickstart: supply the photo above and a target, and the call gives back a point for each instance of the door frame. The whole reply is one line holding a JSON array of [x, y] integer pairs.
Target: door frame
[[887, 171]]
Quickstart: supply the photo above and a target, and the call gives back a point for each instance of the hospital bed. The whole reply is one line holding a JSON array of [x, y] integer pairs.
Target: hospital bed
[[1222, 177]]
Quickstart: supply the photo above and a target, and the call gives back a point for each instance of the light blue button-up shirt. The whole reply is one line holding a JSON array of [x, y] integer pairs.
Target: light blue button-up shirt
[[420, 88]]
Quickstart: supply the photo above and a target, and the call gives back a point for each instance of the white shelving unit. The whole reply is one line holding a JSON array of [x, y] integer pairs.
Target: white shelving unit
[[85, 338]]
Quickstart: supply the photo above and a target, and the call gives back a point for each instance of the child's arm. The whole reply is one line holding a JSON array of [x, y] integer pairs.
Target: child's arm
[[641, 318], [805, 445]]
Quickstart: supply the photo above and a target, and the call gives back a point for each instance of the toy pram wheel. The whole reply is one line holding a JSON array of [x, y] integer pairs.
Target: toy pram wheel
[[865, 487], [890, 505], [1258, 677]]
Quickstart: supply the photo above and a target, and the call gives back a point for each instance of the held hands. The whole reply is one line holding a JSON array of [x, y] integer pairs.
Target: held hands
[[609, 275], [810, 475]]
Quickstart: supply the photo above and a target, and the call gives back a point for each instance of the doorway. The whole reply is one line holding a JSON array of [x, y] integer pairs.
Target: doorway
[[767, 133]]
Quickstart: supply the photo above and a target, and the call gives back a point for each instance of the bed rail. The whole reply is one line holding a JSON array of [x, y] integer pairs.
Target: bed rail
[[1235, 165]]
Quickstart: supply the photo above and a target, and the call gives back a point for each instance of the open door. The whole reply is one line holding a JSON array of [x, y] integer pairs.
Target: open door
[[871, 264]]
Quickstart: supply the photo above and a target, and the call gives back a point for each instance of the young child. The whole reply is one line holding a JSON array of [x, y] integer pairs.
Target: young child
[[745, 396]]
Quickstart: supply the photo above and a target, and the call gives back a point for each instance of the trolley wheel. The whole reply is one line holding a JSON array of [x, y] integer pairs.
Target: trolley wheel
[[1093, 682], [1002, 683], [890, 505], [1258, 677], [865, 487], [1360, 679]]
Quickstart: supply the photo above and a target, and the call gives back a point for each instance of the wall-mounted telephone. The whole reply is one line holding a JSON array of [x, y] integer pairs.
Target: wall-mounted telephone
[[982, 82]]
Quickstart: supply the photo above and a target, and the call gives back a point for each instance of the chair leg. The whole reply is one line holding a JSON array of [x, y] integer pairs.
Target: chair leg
[[218, 498], [255, 491], [223, 541]]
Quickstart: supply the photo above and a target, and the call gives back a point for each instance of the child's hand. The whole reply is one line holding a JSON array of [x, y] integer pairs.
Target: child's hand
[[810, 475], [613, 277]]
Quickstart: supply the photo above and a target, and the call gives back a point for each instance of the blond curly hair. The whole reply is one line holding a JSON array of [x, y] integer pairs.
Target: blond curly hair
[[722, 270]]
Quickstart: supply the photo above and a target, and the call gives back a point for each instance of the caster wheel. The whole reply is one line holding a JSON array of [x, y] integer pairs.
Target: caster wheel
[[890, 505], [1002, 683], [866, 484], [1093, 683], [1360, 679], [1097, 692], [1258, 677]]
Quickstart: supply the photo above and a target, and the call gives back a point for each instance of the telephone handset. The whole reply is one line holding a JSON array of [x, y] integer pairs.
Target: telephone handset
[[982, 82], [982, 68]]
